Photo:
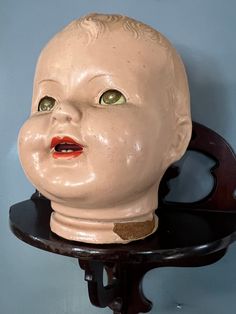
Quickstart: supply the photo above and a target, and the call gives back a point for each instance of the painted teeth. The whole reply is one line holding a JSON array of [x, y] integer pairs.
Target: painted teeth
[[66, 150]]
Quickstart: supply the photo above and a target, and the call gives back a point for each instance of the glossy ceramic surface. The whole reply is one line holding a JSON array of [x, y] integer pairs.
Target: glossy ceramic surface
[[110, 113]]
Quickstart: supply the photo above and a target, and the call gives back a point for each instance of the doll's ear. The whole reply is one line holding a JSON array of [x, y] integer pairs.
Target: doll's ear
[[179, 100], [180, 140]]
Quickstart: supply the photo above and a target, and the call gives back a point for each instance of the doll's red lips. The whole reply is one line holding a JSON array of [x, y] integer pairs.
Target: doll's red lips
[[65, 147]]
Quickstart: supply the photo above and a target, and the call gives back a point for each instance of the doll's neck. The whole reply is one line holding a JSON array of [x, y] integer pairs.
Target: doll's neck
[[117, 224]]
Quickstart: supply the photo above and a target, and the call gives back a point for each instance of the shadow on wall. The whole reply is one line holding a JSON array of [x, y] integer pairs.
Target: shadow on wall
[[209, 101]]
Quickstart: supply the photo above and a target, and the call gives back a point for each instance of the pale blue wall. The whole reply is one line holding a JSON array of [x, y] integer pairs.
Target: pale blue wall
[[36, 282]]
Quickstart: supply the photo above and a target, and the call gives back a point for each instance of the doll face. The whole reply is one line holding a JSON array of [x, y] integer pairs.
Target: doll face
[[101, 123]]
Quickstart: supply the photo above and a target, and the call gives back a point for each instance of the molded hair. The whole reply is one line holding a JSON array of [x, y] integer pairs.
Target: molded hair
[[94, 25]]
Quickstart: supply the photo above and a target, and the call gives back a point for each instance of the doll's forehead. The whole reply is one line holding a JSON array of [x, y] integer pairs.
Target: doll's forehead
[[72, 63], [129, 64], [118, 46]]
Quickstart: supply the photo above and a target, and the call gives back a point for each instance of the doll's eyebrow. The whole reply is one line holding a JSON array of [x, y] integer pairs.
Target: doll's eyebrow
[[99, 75], [48, 80]]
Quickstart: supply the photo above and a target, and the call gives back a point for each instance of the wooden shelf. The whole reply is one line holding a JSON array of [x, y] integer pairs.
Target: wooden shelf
[[183, 239]]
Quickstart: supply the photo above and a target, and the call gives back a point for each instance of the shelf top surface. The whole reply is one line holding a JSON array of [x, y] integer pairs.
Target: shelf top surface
[[181, 234]]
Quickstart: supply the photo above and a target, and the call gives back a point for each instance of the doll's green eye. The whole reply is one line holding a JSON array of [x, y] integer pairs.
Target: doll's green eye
[[46, 103], [112, 97]]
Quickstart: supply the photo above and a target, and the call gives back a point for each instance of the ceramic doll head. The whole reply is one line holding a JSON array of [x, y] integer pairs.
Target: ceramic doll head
[[110, 113]]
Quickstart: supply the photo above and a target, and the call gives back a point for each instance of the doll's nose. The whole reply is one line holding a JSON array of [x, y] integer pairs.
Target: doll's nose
[[66, 113]]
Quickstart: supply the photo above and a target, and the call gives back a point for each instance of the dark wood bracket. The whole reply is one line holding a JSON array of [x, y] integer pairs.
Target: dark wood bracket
[[124, 286], [124, 294], [189, 234]]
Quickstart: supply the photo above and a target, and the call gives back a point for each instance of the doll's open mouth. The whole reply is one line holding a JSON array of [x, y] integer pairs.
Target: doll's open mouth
[[62, 147]]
